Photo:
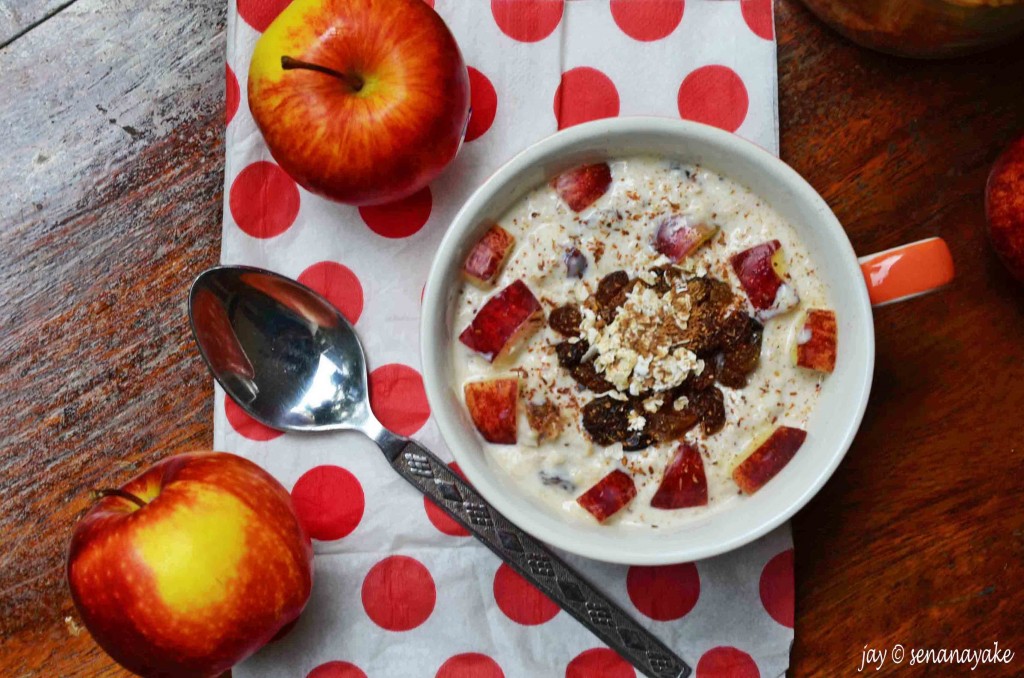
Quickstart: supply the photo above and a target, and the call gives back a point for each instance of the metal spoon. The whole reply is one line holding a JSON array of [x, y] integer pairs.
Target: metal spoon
[[293, 362]]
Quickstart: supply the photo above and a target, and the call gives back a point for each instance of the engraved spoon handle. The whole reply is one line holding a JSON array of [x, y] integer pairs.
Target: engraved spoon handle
[[532, 559]]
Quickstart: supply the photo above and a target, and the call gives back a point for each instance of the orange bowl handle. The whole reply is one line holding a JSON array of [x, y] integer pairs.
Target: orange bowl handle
[[907, 271]]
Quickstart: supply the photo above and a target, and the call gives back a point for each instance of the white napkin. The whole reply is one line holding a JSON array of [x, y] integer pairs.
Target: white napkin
[[393, 594]]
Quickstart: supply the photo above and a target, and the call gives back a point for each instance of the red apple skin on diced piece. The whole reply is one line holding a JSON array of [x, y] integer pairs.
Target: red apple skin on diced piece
[[492, 406], [609, 495], [758, 271], [684, 484], [768, 458], [488, 256], [581, 186], [505, 321], [816, 343], [678, 237]]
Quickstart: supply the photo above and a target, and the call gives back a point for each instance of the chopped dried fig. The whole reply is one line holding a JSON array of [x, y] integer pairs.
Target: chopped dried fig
[[566, 320], [669, 423], [739, 358], [606, 420], [545, 419], [710, 409], [611, 293]]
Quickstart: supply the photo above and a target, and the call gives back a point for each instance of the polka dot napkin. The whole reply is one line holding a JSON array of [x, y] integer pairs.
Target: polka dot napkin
[[401, 590]]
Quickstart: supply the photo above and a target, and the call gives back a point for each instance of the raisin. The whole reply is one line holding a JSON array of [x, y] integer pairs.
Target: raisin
[[570, 353], [575, 263], [551, 479], [606, 420], [709, 406], [586, 375], [566, 320]]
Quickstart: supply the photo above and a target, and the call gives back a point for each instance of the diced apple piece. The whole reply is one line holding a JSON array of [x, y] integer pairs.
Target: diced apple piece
[[488, 256], [768, 458], [492, 405], [505, 321], [684, 483], [581, 186], [815, 346], [609, 495], [678, 237], [761, 271]]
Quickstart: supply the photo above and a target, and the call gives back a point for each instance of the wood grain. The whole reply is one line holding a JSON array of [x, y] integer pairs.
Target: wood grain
[[111, 158], [918, 538], [112, 155], [19, 16]]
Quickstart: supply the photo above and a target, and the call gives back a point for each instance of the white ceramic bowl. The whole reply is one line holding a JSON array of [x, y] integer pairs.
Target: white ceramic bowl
[[843, 398]]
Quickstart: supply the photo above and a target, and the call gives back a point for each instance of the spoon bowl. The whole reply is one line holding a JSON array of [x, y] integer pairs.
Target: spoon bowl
[[283, 353]]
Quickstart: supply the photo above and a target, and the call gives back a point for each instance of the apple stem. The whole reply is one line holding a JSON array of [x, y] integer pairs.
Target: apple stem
[[353, 81], [110, 492]]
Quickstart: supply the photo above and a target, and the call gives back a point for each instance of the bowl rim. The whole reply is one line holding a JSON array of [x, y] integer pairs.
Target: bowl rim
[[433, 329]]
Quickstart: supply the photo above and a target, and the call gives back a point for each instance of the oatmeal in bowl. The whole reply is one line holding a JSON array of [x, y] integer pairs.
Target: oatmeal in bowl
[[640, 341], [649, 341]]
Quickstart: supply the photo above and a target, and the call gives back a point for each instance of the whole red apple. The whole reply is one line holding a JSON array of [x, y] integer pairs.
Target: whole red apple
[[360, 101], [1004, 207], [191, 566]]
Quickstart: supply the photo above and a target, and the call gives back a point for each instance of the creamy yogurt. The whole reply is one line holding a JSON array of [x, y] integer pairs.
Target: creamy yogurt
[[616, 233]]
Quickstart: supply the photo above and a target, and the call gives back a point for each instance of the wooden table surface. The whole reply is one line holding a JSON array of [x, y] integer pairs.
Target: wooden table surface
[[111, 145]]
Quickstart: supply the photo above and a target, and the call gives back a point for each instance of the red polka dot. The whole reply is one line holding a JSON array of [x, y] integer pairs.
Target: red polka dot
[[246, 426], [585, 94], [647, 20], [336, 670], [777, 588], [329, 502], [401, 218], [758, 15], [599, 663], [520, 600], [470, 665], [261, 13], [664, 592], [429, 2], [398, 593], [527, 20], [483, 102], [231, 95], [441, 520], [339, 285], [714, 95], [398, 399], [264, 201], [726, 662]]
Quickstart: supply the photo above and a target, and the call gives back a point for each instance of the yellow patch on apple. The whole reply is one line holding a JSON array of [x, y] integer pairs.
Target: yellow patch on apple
[[204, 533]]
